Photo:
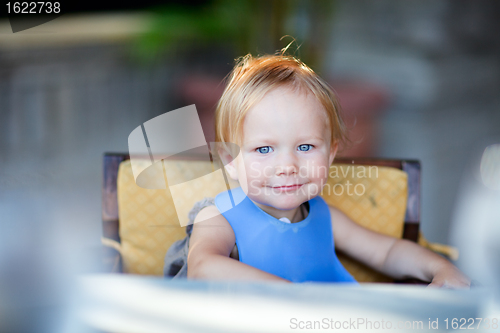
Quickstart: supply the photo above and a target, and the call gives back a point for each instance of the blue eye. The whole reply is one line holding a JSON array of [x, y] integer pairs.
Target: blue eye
[[265, 150], [305, 147]]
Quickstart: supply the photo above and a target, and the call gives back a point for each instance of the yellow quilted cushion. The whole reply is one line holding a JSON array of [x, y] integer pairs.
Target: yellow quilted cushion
[[372, 196], [149, 221], [149, 224]]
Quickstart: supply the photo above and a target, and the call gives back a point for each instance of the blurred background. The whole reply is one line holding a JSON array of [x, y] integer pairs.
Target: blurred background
[[417, 79]]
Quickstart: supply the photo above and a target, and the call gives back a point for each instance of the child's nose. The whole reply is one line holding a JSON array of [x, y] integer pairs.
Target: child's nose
[[287, 165]]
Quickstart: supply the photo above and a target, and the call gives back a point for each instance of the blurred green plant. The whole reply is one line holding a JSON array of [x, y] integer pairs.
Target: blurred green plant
[[248, 26]]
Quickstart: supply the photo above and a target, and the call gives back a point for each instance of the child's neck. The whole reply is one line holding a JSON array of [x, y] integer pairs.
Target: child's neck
[[296, 214]]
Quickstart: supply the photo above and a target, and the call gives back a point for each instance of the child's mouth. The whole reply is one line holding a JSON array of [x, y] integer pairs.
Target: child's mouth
[[287, 187]]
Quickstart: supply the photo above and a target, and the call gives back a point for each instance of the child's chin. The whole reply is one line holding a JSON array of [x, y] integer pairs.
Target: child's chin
[[286, 202]]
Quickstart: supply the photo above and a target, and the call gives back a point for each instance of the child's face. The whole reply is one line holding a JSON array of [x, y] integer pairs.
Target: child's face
[[285, 150]]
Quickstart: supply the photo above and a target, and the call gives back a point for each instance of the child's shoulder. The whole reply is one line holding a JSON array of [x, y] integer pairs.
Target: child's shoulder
[[208, 213], [222, 201]]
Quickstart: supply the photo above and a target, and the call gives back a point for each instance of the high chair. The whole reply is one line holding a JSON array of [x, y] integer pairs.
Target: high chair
[[139, 225]]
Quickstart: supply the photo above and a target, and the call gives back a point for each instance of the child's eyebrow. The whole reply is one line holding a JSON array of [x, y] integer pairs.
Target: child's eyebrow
[[259, 141], [312, 137], [270, 141]]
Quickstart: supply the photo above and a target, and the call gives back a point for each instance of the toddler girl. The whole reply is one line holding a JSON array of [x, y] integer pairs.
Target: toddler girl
[[285, 120]]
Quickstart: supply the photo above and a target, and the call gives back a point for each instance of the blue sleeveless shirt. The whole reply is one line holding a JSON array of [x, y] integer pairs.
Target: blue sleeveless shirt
[[299, 252]]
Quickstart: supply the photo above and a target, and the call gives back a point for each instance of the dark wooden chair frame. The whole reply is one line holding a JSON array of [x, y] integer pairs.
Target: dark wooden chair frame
[[111, 219]]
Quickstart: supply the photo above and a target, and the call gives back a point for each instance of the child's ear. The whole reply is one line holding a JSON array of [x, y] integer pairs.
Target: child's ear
[[333, 152], [229, 163], [231, 170]]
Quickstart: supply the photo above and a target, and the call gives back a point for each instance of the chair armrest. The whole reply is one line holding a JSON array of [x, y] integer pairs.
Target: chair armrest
[[111, 256]]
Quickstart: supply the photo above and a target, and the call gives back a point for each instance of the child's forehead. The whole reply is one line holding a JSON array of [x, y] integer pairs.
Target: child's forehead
[[287, 102], [301, 113]]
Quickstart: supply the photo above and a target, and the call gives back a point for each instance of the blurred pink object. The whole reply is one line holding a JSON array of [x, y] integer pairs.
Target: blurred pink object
[[204, 91], [362, 103]]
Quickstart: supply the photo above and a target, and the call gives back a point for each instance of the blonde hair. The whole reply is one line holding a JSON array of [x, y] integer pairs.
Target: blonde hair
[[253, 77]]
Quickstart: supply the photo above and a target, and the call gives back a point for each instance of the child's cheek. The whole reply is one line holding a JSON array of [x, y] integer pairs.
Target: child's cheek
[[320, 171], [255, 170]]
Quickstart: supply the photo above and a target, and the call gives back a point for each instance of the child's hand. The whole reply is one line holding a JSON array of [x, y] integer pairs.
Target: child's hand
[[450, 277]]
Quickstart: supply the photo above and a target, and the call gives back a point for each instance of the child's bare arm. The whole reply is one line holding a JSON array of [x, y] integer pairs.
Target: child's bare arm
[[211, 242], [395, 257]]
